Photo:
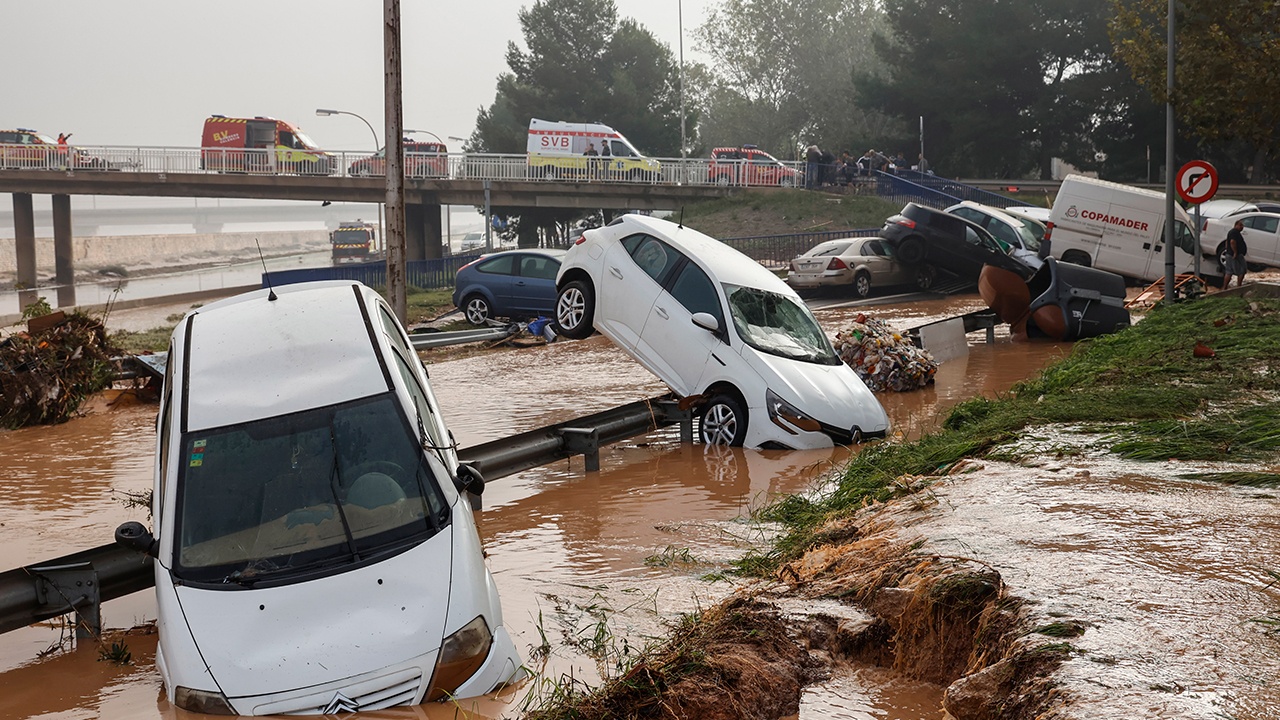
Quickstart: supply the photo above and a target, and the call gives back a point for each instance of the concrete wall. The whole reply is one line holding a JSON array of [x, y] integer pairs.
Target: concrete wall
[[141, 251]]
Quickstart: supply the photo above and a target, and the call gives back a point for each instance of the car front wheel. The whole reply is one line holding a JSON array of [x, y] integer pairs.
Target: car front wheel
[[862, 284], [477, 310], [1075, 257], [575, 310], [723, 422]]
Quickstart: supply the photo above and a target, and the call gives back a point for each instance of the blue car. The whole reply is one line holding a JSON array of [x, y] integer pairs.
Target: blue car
[[515, 283]]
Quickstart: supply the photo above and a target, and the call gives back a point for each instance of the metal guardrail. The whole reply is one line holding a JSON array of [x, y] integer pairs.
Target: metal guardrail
[[82, 581], [425, 274], [343, 163]]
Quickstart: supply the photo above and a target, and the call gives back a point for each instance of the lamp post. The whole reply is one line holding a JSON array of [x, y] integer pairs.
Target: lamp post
[[425, 132], [322, 112], [683, 144]]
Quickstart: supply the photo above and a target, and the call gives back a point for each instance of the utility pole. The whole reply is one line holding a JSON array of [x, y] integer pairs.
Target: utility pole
[[1169, 259], [396, 282]]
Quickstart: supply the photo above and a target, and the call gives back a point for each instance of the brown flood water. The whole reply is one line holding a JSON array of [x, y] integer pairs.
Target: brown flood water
[[595, 564]]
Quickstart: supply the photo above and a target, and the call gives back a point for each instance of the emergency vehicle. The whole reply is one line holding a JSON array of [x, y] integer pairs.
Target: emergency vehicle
[[26, 148], [261, 145], [556, 150], [749, 165], [354, 242], [421, 160]]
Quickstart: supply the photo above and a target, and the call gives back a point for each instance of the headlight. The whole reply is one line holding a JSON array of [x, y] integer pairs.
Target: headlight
[[461, 655], [202, 701], [788, 416]]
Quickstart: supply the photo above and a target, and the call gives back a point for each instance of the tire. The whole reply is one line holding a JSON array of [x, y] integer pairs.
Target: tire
[[476, 309], [911, 250], [575, 310], [862, 284], [926, 276], [723, 421], [1075, 257], [1221, 255]]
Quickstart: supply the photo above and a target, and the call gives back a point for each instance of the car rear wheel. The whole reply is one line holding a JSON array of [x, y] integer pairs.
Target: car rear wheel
[[477, 309], [926, 276], [862, 283], [723, 421], [575, 310], [911, 250], [1075, 257]]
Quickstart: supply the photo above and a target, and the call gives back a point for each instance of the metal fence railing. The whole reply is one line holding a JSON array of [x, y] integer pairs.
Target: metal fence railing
[[957, 189], [776, 251], [901, 190], [425, 274]]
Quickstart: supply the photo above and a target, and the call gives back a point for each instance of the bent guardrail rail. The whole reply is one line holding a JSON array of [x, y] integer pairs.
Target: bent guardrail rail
[[80, 582]]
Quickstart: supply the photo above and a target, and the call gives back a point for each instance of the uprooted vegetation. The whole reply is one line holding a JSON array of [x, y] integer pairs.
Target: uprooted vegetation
[[1143, 393], [48, 372]]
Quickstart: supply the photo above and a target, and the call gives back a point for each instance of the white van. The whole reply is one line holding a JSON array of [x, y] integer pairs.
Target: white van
[[1117, 228], [556, 150], [315, 550]]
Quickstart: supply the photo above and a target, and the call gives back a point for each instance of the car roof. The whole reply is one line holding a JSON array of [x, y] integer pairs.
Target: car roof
[[723, 263], [555, 253], [249, 357], [991, 210], [1223, 207]]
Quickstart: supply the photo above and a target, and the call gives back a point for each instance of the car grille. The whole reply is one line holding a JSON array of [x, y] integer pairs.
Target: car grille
[[370, 693]]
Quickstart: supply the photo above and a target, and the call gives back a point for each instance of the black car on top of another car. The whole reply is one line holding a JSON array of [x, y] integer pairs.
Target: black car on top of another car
[[923, 236]]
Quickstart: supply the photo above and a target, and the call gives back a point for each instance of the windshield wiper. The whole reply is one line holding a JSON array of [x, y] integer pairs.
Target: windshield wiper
[[335, 476]]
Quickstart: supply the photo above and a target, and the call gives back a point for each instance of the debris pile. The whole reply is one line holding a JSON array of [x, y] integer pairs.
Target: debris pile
[[884, 358], [47, 372]]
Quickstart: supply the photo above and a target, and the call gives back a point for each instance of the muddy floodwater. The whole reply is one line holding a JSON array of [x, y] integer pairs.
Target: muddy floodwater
[[590, 567]]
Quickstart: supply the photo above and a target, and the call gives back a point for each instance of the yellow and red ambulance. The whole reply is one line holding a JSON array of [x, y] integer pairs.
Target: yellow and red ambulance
[[261, 145]]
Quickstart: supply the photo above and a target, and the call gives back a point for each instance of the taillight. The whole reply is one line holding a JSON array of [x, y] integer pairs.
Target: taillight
[[1048, 231], [792, 266], [581, 239], [837, 264], [905, 222]]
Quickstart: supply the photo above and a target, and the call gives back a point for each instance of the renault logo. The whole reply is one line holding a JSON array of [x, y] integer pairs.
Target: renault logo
[[340, 704]]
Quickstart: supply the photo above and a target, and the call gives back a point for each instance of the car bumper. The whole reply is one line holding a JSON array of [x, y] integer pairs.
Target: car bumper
[[826, 279]]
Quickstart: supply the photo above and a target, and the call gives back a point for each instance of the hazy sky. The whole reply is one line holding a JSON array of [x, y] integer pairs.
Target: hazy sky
[[148, 72]]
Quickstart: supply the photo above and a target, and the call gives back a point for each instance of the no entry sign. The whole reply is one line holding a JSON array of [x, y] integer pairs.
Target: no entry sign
[[1197, 181]]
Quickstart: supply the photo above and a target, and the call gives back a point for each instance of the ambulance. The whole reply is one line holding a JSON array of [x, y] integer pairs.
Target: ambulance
[[557, 151], [1115, 227], [261, 145]]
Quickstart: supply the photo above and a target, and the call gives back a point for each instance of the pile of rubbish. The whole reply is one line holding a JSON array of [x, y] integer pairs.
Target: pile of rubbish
[[884, 358], [47, 372]]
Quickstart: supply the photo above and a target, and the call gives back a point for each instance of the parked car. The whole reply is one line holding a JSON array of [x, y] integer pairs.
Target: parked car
[[859, 263], [934, 239], [1030, 212], [315, 550], [1261, 236], [513, 283], [1222, 207], [717, 327], [749, 165], [25, 148], [472, 241], [421, 160], [1022, 235]]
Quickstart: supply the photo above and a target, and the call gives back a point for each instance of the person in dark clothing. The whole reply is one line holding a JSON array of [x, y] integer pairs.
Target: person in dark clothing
[[827, 171], [606, 158], [1235, 263], [812, 161]]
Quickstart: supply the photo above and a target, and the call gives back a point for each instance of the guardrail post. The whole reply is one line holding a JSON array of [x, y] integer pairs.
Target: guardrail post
[[672, 412], [67, 588], [585, 442]]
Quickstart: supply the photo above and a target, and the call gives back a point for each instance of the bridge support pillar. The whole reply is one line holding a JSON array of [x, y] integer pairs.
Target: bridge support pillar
[[63, 252], [422, 231], [24, 234]]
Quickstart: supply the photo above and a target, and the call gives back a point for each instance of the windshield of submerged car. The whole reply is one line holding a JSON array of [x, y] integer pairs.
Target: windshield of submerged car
[[779, 325], [304, 492]]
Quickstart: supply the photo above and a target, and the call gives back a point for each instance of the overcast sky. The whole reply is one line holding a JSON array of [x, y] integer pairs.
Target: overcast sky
[[148, 72]]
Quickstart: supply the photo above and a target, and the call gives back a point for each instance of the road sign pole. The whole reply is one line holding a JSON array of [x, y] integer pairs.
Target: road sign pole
[[1196, 233], [1169, 136]]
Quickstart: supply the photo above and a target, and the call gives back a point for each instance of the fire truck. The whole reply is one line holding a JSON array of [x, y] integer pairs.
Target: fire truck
[[261, 145], [355, 242]]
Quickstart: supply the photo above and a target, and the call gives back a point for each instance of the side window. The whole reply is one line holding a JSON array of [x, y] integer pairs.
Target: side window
[[971, 236], [537, 266], [1183, 237], [286, 138], [873, 248], [968, 214], [653, 256], [695, 291], [392, 329], [8, 138], [504, 265], [420, 401], [1003, 232], [1269, 224]]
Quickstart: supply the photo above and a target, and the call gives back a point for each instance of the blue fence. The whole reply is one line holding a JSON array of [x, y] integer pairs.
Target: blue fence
[[902, 191], [437, 273], [957, 189]]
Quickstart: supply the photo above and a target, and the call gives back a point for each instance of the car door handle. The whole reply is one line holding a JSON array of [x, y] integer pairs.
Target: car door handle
[[616, 272], [662, 313], [520, 283]]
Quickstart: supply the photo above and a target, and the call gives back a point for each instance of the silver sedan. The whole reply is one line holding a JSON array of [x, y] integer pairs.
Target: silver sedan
[[860, 263]]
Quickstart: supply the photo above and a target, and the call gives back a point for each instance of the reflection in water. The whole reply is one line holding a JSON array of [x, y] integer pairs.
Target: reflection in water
[[621, 551]]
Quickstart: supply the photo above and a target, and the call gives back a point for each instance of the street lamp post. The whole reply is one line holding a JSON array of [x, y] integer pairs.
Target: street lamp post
[[322, 112], [683, 143]]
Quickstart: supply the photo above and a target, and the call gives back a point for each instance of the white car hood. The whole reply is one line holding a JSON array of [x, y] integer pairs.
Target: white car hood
[[273, 640], [831, 394]]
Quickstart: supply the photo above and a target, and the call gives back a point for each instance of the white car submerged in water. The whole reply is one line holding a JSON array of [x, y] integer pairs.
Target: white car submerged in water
[[315, 550], [711, 322]]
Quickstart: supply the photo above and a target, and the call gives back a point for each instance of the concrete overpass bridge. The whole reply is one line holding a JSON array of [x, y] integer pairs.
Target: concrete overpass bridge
[[423, 199]]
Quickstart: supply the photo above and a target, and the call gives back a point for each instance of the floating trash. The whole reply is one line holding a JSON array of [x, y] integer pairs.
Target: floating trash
[[883, 357]]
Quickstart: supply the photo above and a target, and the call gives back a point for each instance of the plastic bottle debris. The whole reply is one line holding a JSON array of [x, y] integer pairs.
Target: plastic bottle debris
[[883, 357]]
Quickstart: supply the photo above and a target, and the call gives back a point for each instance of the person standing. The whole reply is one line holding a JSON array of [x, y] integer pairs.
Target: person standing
[[606, 158], [813, 160], [592, 155], [1234, 262]]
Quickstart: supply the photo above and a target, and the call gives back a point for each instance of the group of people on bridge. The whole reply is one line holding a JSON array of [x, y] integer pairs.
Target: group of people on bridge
[[823, 168]]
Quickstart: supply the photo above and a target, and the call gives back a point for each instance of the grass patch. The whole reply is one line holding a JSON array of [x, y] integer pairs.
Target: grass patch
[[776, 212], [1247, 479], [1170, 405], [1060, 629], [423, 305], [153, 340]]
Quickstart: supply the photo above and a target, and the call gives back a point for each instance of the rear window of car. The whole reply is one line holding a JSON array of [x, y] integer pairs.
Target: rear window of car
[[504, 265], [829, 250]]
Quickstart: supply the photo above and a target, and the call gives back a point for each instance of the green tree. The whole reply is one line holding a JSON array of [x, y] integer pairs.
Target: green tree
[[1227, 69], [783, 73]]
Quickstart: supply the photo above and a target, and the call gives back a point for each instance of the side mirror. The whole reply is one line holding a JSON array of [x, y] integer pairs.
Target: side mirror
[[707, 322], [134, 536], [468, 479]]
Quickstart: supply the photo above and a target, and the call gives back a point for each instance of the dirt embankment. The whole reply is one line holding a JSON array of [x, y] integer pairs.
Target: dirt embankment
[[779, 212]]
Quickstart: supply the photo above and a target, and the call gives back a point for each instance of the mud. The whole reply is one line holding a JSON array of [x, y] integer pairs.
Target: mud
[[592, 568]]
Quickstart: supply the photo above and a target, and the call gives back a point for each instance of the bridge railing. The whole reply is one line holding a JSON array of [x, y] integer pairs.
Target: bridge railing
[[426, 274]]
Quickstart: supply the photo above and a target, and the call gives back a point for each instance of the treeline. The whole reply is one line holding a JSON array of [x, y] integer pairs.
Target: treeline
[[1003, 86]]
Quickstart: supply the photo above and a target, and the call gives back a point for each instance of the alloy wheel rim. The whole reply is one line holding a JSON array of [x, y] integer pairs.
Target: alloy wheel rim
[[477, 312], [719, 425], [570, 308]]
